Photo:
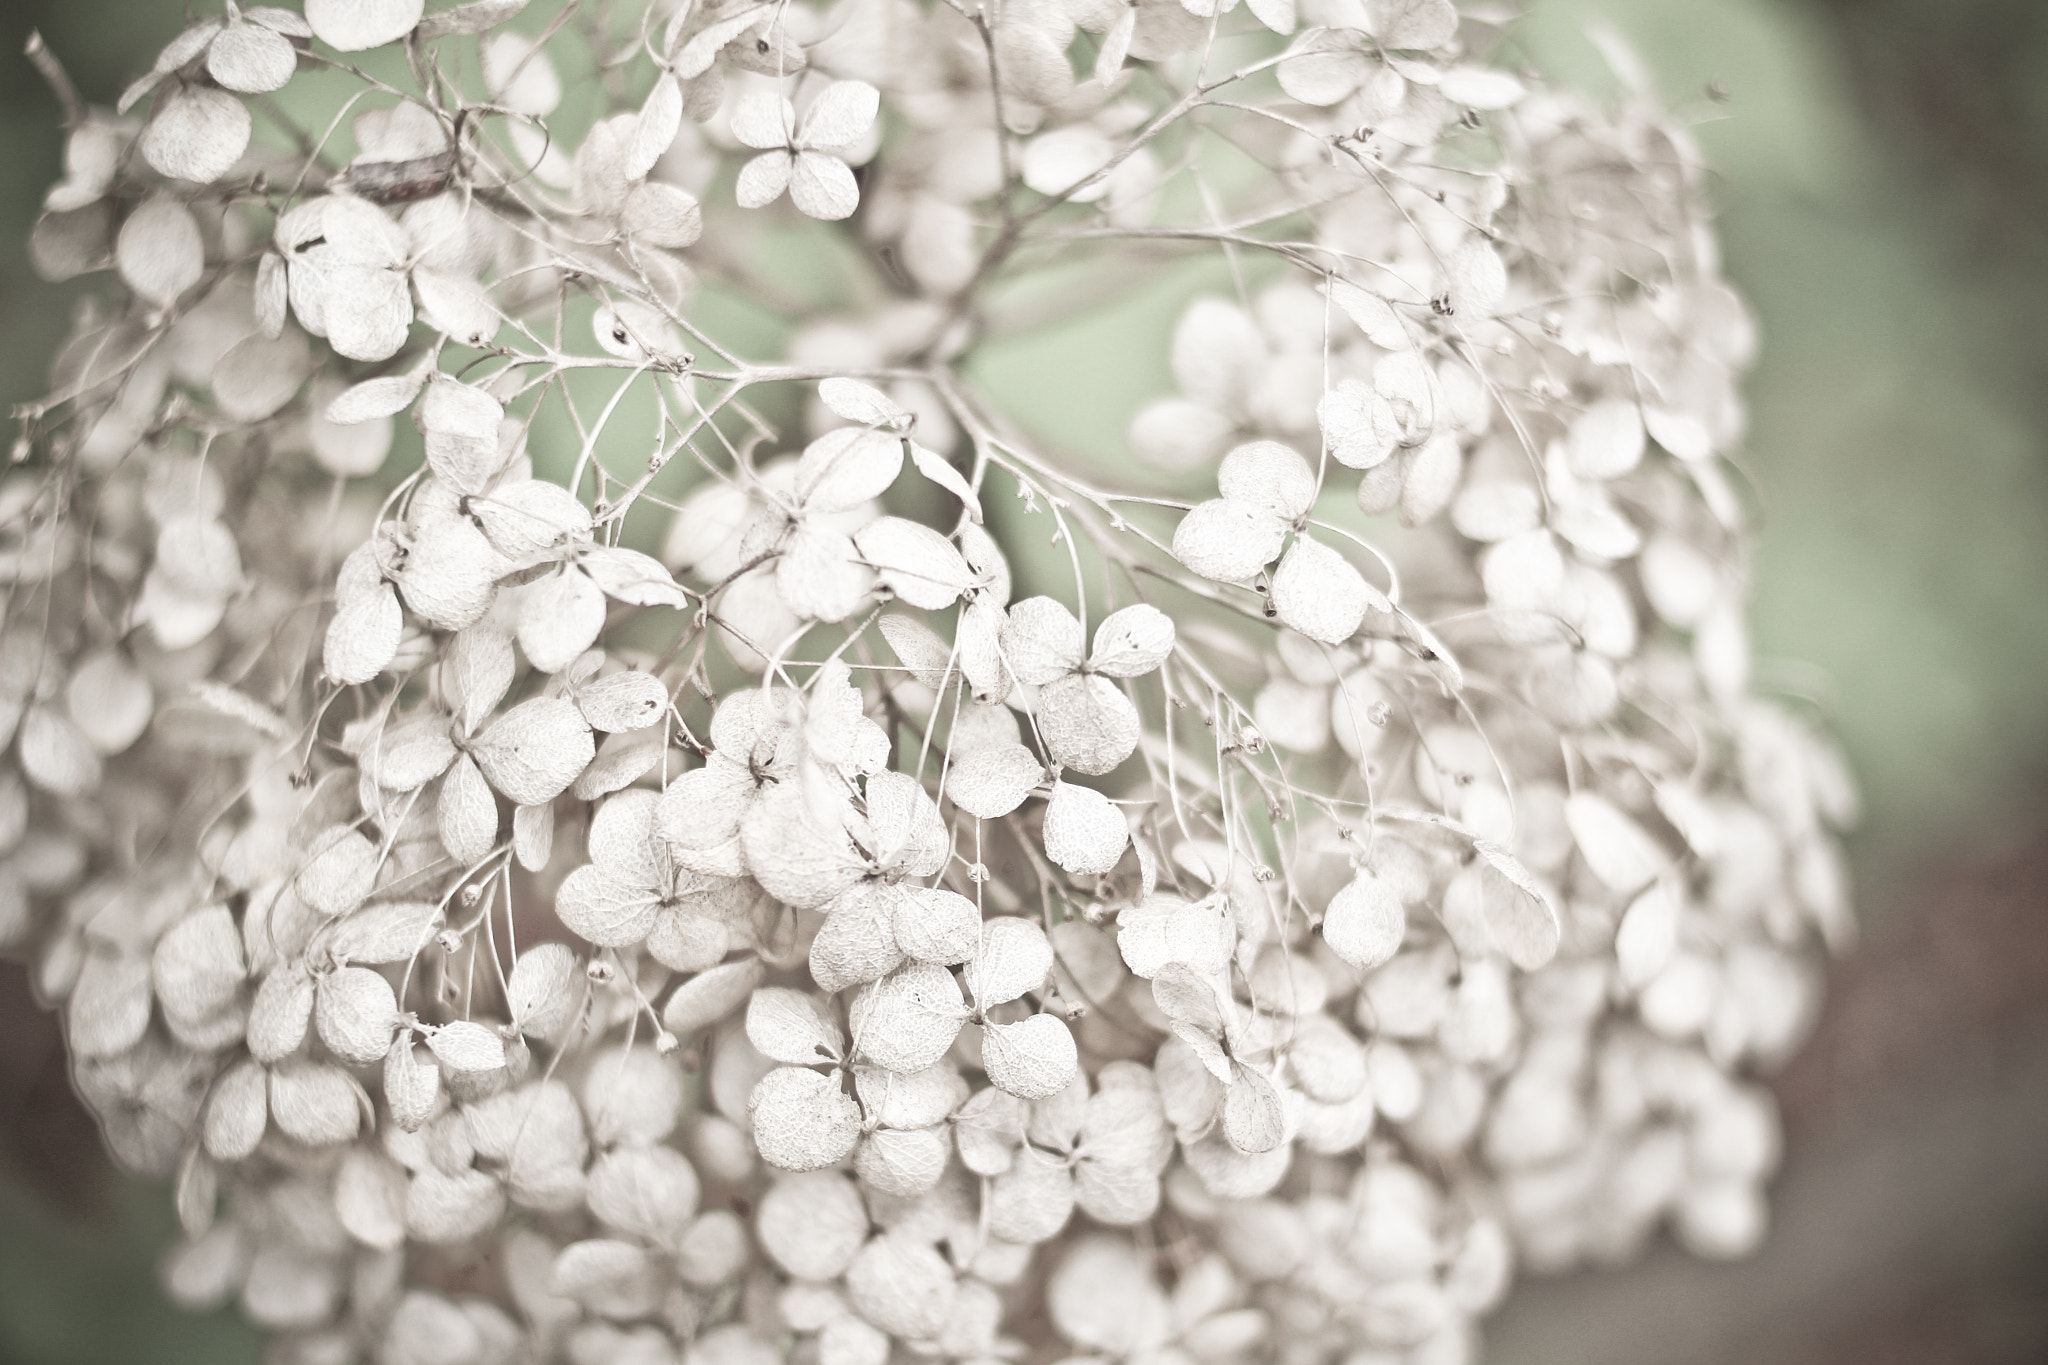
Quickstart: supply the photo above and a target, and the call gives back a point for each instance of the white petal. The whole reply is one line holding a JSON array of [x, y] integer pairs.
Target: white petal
[[823, 186], [632, 577], [711, 995], [1132, 642], [907, 1021], [844, 468], [915, 562], [1087, 723], [1478, 279], [1014, 958], [802, 1122], [1374, 315], [763, 120], [788, 1026], [812, 1224], [1618, 850], [251, 59], [459, 308], [935, 925], [368, 310], [559, 618], [1031, 1059], [1318, 592], [623, 701], [1365, 922], [358, 25], [196, 134], [1228, 541], [1606, 441], [990, 783], [841, 114], [1084, 832], [535, 750], [159, 251], [1042, 641], [1419, 24], [258, 375], [1270, 475], [661, 117]]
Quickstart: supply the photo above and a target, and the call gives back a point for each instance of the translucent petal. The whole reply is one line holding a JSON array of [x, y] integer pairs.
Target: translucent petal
[[903, 1163], [1606, 441], [909, 838], [1032, 1201], [251, 59], [1418, 24], [796, 857], [1324, 69], [858, 941], [543, 992], [862, 403], [801, 1120], [1132, 642], [915, 562], [464, 1046], [763, 119], [935, 925], [661, 117], [1253, 1120], [788, 1026], [1031, 1059], [908, 1020], [1478, 279], [663, 216], [1088, 724], [535, 750], [368, 310], [841, 114], [1268, 475], [1084, 832], [604, 909], [1319, 593], [812, 1224], [1518, 910], [990, 783], [822, 186], [389, 931], [358, 25], [846, 467], [711, 995], [197, 133], [1228, 541], [1014, 957], [159, 251], [1365, 922], [1618, 850]]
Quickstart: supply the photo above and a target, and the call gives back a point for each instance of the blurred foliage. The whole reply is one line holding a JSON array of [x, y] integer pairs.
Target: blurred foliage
[[1882, 172], [82, 1290]]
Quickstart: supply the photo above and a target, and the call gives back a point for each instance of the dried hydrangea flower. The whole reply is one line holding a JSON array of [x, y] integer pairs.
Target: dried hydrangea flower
[[785, 865]]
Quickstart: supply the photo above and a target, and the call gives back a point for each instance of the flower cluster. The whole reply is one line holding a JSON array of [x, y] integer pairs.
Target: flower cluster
[[734, 849]]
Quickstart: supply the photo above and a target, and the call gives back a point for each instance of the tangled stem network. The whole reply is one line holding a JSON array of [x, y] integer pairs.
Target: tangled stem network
[[587, 885]]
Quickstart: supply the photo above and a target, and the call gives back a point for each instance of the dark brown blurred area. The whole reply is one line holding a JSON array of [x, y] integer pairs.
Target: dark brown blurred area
[[47, 1139], [1910, 1222]]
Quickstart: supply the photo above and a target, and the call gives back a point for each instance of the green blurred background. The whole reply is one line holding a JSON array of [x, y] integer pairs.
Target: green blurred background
[[1882, 177]]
